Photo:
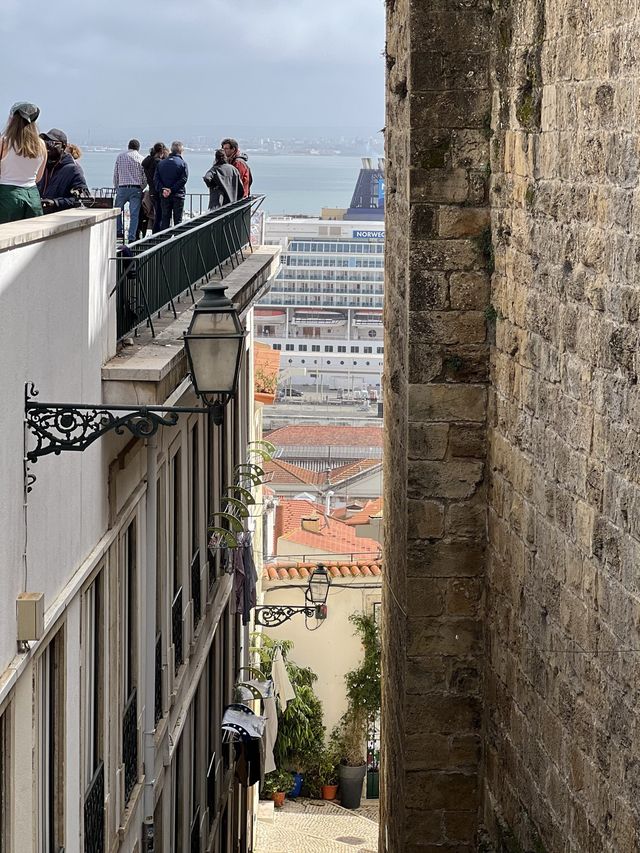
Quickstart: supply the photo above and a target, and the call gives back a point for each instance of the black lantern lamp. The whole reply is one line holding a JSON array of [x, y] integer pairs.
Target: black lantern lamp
[[315, 606], [318, 590], [215, 343]]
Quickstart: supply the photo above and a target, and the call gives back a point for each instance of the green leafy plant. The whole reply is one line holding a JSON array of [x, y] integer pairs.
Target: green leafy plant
[[363, 695], [277, 781], [300, 727]]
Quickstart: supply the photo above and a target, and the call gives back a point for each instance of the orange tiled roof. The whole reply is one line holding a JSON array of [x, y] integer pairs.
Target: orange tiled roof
[[286, 472], [332, 537], [371, 508], [301, 571], [336, 436], [338, 475]]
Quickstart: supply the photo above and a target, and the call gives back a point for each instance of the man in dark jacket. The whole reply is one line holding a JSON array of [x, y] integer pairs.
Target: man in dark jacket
[[171, 180], [63, 181]]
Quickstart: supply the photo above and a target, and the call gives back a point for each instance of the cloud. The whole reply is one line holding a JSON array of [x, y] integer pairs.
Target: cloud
[[155, 63]]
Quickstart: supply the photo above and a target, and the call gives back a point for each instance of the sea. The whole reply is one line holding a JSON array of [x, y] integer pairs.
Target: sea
[[292, 183]]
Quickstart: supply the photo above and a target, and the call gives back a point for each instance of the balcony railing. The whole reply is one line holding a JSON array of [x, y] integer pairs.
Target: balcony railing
[[196, 593], [130, 744], [194, 203], [94, 813], [195, 832], [158, 678], [176, 629], [154, 272], [211, 789]]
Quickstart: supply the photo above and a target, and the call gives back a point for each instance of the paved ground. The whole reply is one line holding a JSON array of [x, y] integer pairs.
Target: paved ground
[[316, 826]]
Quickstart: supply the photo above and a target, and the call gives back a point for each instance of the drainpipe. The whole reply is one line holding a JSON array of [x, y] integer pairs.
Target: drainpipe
[[150, 645]]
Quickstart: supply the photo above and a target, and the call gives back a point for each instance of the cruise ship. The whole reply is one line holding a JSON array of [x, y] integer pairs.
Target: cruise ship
[[324, 310]]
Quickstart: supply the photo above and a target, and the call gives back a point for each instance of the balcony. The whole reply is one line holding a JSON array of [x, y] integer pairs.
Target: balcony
[[177, 630], [130, 744], [94, 813], [196, 593]]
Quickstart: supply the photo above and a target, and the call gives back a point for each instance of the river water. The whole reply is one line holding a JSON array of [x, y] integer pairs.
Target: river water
[[292, 183]]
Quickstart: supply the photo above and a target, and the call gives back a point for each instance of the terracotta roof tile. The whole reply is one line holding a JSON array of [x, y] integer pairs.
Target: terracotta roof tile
[[301, 571], [286, 472], [371, 508], [345, 472], [333, 536], [337, 436]]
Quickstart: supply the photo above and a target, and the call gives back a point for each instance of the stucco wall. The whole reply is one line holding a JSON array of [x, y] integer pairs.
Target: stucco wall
[[56, 310], [332, 650]]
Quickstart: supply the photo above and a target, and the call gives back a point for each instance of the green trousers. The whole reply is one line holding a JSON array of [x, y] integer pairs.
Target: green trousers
[[19, 203]]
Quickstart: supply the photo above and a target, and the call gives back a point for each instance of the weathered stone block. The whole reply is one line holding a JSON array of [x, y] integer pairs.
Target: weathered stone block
[[441, 791], [425, 520], [469, 291], [447, 402], [454, 480], [462, 221], [428, 441], [444, 636]]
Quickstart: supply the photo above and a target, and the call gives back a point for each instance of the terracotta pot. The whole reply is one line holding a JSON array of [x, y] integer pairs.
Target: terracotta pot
[[329, 792], [278, 799]]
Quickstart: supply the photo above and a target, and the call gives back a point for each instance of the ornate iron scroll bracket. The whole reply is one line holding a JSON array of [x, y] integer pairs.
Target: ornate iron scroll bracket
[[59, 427], [270, 616]]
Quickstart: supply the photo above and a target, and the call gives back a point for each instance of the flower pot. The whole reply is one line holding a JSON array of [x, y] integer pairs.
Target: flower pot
[[351, 779], [297, 786], [329, 792], [278, 799]]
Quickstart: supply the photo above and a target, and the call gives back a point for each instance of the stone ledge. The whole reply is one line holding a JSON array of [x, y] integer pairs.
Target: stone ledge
[[150, 370], [27, 231]]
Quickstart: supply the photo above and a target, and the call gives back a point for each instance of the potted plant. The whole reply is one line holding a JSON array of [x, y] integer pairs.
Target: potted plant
[[276, 785], [328, 773], [364, 700]]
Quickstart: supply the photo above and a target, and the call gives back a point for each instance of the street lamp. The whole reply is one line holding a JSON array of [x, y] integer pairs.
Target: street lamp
[[214, 345], [315, 596]]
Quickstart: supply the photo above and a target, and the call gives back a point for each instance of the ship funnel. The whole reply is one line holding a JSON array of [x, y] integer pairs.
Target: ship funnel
[[366, 163]]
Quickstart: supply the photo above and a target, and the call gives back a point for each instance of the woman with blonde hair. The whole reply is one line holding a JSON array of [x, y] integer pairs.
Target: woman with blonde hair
[[23, 156]]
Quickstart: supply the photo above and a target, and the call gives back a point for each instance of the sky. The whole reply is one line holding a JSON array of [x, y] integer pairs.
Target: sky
[[104, 68]]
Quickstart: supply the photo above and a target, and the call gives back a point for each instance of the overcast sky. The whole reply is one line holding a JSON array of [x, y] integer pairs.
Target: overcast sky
[[139, 66]]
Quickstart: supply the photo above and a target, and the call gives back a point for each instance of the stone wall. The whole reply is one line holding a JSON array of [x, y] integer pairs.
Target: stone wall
[[436, 372], [562, 765], [527, 707]]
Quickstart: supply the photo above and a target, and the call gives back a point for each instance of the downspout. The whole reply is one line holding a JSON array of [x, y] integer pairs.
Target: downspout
[[150, 645]]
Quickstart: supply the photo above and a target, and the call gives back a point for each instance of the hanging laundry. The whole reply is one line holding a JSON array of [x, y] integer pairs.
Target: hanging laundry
[[270, 732], [281, 683]]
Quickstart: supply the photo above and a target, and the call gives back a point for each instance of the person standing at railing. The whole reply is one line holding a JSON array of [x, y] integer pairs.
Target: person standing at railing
[[62, 184], [239, 160], [22, 160], [129, 180], [158, 152], [171, 179], [223, 181]]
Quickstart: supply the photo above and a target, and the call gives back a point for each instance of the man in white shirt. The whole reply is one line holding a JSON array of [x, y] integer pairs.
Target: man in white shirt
[[129, 181]]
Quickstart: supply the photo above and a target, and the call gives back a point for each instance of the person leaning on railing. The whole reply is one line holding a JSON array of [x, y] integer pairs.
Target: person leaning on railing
[[22, 161], [62, 183], [223, 181]]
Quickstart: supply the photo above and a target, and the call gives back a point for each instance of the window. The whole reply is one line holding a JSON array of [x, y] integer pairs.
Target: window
[[328, 349], [342, 349], [196, 593], [6, 776], [368, 350], [277, 346], [176, 565], [302, 347], [129, 662], [51, 725], [315, 348], [93, 698], [355, 349], [380, 350], [289, 347]]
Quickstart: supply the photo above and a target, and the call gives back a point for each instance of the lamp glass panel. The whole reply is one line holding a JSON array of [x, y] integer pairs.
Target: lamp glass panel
[[319, 587], [213, 323], [214, 362]]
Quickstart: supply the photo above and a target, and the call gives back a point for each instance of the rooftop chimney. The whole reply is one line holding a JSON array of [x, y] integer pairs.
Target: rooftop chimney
[[311, 524]]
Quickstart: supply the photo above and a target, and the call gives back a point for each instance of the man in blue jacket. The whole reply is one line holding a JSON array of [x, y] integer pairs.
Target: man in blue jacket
[[63, 180], [171, 180]]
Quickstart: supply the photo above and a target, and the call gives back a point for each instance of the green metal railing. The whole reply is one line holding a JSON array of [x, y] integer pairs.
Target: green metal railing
[[153, 273]]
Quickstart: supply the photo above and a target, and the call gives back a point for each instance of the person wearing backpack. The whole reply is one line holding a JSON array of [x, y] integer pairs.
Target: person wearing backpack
[[239, 160]]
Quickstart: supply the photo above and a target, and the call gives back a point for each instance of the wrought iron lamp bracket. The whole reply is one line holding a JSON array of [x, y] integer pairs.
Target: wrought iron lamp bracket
[[272, 615], [59, 427]]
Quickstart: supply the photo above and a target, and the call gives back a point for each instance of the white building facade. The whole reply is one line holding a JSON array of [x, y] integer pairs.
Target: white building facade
[[80, 768]]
